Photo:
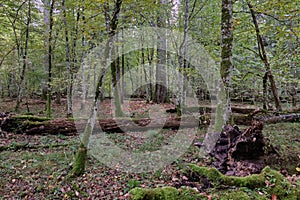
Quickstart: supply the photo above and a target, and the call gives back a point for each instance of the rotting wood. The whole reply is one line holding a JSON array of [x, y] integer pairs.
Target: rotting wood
[[241, 153], [41, 125], [36, 125]]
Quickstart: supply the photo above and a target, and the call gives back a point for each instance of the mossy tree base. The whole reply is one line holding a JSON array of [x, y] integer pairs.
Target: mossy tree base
[[79, 162]]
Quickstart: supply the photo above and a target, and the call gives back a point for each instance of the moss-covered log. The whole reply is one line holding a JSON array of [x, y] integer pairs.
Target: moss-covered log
[[40, 125], [37, 125], [270, 181]]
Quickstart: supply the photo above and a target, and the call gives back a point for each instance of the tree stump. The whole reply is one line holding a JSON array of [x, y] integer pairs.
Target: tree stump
[[241, 153]]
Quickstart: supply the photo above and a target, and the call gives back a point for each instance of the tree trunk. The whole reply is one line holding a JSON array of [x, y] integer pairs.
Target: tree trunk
[[226, 54], [80, 158], [150, 60], [264, 57], [161, 83], [223, 110], [83, 44], [46, 12], [50, 53], [25, 61], [115, 67], [68, 69], [145, 75], [123, 86], [182, 61], [265, 92]]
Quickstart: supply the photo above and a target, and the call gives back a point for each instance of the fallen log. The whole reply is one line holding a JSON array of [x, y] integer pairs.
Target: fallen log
[[41, 125], [282, 118], [242, 119], [209, 108], [38, 125]]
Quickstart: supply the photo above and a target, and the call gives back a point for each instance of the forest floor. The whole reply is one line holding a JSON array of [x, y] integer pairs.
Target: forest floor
[[36, 166]]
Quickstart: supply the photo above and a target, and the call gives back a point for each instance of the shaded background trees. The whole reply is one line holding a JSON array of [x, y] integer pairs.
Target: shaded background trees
[[44, 42]]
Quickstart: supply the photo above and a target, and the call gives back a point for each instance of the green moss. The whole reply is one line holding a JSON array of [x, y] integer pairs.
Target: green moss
[[169, 193], [190, 194], [79, 163], [217, 178], [235, 195], [137, 193], [272, 181], [32, 118], [277, 184], [269, 181], [28, 123], [164, 193]]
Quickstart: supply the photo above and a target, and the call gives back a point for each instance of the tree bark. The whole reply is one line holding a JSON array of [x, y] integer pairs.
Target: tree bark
[[264, 57], [50, 53], [223, 110], [226, 53], [83, 44], [265, 92], [123, 86], [68, 69], [182, 61], [25, 61], [161, 83], [114, 66], [80, 158], [46, 13]]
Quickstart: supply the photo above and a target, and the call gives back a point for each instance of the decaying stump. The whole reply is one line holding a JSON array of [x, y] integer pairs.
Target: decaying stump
[[241, 153]]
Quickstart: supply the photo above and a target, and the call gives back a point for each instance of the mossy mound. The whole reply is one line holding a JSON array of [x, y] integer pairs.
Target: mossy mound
[[269, 182], [156, 193]]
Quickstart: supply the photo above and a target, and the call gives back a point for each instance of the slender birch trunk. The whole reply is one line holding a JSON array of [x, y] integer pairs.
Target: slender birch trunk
[[81, 155], [25, 61], [68, 66], [183, 53], [50, 54], [265, 59]]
